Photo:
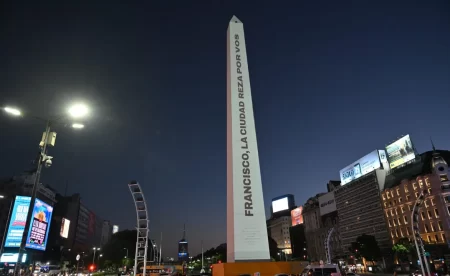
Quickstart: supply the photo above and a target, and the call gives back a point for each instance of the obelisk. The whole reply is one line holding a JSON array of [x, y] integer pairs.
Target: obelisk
[[246, 220]]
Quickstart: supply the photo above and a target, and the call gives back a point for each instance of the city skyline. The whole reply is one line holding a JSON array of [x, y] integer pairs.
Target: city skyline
[[326, 92]]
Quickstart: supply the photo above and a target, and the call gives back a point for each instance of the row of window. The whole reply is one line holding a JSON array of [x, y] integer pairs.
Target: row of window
[[422, 214], [390, 193], [400, 199]]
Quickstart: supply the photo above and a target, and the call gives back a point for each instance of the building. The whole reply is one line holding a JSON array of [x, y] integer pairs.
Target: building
[[430, 172], [183, 248], [278, 230], [297, 235], [321, 222], [360, 212], [107, 231], [280, 222]]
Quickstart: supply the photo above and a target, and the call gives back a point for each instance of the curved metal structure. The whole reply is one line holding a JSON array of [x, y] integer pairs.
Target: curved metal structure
[[327, 245], [415, 229], [142, 226]]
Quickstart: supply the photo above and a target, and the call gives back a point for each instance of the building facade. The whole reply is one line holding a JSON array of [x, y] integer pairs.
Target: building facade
[[360, 212], [312, 224], [434, 219], [278, 230]]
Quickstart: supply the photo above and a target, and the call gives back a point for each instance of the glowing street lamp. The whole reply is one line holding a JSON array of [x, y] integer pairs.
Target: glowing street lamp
[[12, 111], [77, 126], [78, 110]]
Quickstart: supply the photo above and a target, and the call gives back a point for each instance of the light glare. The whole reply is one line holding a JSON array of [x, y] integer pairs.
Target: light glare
[[78, 126], [13, 111], [78, 110]]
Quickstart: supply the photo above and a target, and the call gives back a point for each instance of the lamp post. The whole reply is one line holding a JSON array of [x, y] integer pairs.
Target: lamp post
[[48, 138], [95, 250], [127, 252]]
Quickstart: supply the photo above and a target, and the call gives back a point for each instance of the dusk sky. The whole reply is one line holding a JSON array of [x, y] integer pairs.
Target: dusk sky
[[331, 81]]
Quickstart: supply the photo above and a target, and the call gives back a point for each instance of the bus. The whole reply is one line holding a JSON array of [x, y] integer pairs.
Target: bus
[[159, 270]]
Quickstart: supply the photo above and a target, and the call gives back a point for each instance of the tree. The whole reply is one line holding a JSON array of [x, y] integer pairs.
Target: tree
[[366, 246], [402, 249]]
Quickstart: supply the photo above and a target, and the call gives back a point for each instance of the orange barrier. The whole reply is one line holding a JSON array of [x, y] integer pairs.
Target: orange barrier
[[264, 268]]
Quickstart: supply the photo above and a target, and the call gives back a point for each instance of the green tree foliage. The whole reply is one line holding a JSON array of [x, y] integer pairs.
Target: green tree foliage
[[366, 246], [402, 249]]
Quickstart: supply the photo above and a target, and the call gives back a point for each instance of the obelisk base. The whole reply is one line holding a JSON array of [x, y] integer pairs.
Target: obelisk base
[[263, 268]]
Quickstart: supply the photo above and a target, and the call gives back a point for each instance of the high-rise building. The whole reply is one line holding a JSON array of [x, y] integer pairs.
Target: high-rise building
[[280, 221], [183, 248], [430, 173]]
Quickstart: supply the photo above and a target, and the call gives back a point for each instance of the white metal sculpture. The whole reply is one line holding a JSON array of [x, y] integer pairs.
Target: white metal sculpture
[[142, 226], [327, 245]]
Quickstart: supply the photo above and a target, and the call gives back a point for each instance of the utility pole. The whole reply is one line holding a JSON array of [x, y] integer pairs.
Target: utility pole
[[160, 250]]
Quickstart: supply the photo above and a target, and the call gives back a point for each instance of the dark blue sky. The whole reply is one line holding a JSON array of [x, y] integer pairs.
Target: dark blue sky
[[331, 81]]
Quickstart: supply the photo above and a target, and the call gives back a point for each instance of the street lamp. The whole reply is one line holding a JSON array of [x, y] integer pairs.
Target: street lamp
[[6, 225], [48, 139], [12, 111], [95, 250], [127, 252]]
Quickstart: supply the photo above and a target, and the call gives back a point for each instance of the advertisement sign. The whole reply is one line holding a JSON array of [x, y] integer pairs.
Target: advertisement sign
[[327, 203], [246, 217], [65, 225], [280, 204], [296, 216], [12, 257], [17, 221], [40, 225], [383, 159], [361, 167], [115, 229], [400, 152]]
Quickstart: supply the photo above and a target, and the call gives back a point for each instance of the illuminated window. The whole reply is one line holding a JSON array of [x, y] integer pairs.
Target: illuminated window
[[396, 211], [387, 195], [436, 238], [393, 222], [400, 200], [392, 213], [443, 237], [440, 225], [420, 183], [407, 198], [396, 233], [426, 228], [387, 214], [401, 232], [385, 204], [389, 221], [398, 191], [392, 234], [432, 226], [429, 214], [405, 219], [407, 231], [399, 222], [409, 207], [395, 202], [429, 191], [406, 188], [443, 177], [392, 194], [422, 215], [436, 213], [429, 239], [426, 203], [427, 182], [403, 209], [382, 195], [417, 194], [414, 186], [432, 202]]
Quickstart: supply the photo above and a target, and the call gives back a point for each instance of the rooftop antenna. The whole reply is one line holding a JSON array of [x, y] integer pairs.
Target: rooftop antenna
[[184, 231], [432, 144]]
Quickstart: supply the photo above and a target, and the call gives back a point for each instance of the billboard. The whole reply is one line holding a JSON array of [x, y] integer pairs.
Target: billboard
[[296, 216], [65, 225], [280, 205], [400, 152], [361, 167], [115, 229], [327, 203], [17, 221], [12, 258], [40, 225]]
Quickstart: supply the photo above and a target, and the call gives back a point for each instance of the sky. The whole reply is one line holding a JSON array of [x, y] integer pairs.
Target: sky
[[331, 81]]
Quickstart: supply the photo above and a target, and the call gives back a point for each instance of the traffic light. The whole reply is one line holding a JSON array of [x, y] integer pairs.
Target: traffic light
[[92, 267]]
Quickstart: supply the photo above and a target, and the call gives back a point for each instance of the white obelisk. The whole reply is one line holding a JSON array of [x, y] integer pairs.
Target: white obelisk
[[246, 220]]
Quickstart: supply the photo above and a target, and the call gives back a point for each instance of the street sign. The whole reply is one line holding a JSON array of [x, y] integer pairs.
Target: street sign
[[78, 257]]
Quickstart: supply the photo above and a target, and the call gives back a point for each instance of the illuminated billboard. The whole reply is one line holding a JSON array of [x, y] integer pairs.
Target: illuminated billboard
[[361, 167], [327, 203], [40, 225], [17, 221], [296, 216], [280, 205], [400, 152], [115, 229], [12, 258], [65, 225]]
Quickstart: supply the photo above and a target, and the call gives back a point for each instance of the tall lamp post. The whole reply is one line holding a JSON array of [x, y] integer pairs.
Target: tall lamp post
[[95, 250], [127, 252], [6, 225], [76, 111]]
